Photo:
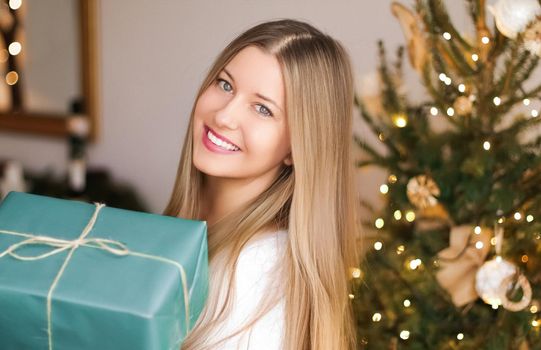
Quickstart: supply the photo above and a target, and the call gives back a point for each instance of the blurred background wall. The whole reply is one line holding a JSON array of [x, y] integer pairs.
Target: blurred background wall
[[153, 56]]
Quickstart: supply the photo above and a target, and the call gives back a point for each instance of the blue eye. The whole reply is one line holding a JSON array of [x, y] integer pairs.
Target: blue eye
[[224, 85], [261, 109]]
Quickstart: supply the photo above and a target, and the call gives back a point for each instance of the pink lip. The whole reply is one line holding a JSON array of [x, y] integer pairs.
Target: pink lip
[[211, 146]]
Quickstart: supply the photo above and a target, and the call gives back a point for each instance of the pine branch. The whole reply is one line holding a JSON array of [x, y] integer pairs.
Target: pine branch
[[474, 7], [390, 97], [517, 127], [440, 13], [365, 147], [455, 58], [365, 163], [369, 119], [525, 69], [504, 83]]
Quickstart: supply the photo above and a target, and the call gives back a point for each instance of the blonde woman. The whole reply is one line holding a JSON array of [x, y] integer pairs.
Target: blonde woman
[[267, 163]]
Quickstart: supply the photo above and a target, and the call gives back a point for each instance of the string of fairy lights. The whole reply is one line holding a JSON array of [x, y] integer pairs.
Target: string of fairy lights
[[400, 119], [14, 48], [413, 263]]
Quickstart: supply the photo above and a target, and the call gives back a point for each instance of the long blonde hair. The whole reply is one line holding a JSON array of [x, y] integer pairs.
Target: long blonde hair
[[314, 199]]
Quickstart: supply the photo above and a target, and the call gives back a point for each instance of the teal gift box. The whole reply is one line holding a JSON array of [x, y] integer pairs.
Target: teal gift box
[[76, 275]]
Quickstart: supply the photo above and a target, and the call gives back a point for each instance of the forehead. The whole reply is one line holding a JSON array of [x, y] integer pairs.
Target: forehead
[[257, 71]]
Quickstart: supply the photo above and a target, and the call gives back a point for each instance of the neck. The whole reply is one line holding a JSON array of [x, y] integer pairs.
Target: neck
[[222, 196]]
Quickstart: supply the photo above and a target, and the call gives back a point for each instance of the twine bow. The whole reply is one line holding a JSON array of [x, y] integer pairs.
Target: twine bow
[[60, 245], [461, 260]]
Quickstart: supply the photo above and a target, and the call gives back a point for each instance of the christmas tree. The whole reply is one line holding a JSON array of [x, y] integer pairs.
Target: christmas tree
[[455, 258]]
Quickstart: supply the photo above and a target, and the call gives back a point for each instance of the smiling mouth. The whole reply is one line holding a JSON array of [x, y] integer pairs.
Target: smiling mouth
[[219, 141]]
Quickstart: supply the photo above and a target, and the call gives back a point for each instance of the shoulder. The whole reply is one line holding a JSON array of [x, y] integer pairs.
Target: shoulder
[[258, 275], [258, 266], [261, 255]]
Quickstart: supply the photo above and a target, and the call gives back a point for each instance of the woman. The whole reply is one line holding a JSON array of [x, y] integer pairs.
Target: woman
[[267, 163]]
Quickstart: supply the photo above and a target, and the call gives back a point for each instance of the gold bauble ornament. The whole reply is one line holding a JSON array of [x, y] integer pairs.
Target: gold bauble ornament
[[463, 105], [422, 191]]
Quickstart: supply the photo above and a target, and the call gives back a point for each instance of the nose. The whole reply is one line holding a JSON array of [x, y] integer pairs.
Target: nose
[[227, 117]]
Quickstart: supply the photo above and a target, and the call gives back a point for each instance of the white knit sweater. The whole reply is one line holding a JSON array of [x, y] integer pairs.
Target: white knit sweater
[[256, 274]]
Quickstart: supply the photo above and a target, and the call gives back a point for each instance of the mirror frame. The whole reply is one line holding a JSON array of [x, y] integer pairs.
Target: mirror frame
[[56, 125]]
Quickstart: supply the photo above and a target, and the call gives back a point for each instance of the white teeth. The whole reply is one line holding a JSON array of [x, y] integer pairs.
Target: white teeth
[[221, 143]]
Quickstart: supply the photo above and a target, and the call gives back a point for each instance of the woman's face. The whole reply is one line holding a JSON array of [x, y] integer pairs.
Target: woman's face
[[240, 127]]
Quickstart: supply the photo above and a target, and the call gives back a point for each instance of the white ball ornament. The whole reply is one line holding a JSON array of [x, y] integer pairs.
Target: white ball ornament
[[493, 280], [512, 16]]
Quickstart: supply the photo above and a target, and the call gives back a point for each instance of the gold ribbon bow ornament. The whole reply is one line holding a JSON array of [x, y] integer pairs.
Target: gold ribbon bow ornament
[[465, 275], [459, 263]]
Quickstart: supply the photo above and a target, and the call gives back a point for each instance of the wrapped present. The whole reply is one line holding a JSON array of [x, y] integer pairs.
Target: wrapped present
[[75, 275]]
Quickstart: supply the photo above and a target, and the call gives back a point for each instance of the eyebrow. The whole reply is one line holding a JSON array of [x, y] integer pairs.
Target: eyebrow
[[257, 94]]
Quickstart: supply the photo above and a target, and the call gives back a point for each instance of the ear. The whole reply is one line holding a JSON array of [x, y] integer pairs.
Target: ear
[[288, 160]]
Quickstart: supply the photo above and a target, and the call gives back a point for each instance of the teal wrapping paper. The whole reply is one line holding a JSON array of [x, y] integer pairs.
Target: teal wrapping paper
[[101, 300]]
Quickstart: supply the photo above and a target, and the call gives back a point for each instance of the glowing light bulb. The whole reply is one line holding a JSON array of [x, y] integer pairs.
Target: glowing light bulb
[[517, 216], [400, 249], [447, 36], [534, 113], [384, 189], [477, 230], [379, 223], [461, 87], [415, 263], [14, 48], [524, 258], [479, 245], [529, 218], [400, 120], [447, 81], [356, 272], [12, 78], [497, 101], [526, 101], [410, 216], [460, 336], [392, 178], [404, 335], [434, 111], [378, 245], [442, 76], [450, 111], [475, 57], [376, 317], [351, 296], [397, 215], [485, 40], [486, 145], [407, 303], [15, 4]]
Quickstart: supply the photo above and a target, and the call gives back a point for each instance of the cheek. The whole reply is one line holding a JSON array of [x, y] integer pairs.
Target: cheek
[[269, 144], [201, 106]]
